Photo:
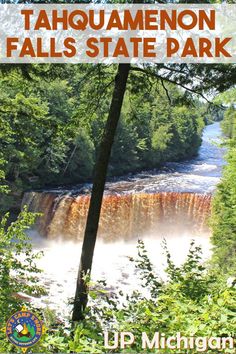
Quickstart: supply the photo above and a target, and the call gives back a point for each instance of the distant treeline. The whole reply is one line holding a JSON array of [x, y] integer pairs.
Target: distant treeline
[[52, 122]]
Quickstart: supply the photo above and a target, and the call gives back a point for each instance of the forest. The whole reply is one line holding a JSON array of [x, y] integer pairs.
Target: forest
[[51, 128], [224, 217], [57, 125]]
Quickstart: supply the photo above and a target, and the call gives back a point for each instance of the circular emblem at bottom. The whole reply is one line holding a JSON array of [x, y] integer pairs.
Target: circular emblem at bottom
[[24, 329]]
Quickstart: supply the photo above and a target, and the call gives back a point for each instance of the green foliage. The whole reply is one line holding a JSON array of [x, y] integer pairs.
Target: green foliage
[[146, 271], [22, 121], [154, 130], [227, 97], [18, 270], [3, 187], [192, 276], [51, 125], [223, 219], [191, 301], [229, 123], [229, 118], [161, 138]]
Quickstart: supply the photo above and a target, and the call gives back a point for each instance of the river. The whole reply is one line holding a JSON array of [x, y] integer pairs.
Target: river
[[172, 203]]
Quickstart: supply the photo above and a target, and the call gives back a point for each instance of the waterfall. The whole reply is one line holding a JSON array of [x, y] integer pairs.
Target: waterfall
[[123, 216]]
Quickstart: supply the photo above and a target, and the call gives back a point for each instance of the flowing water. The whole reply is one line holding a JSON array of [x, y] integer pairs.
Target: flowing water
[[172, 203]]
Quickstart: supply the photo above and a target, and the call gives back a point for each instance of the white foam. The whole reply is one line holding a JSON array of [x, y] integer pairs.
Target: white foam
[[111, 263]]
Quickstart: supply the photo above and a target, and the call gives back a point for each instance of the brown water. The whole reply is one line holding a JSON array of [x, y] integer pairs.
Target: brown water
[[124, 216]]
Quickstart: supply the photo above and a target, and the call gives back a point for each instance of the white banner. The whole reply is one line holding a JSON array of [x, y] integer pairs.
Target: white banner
[[89, 33]]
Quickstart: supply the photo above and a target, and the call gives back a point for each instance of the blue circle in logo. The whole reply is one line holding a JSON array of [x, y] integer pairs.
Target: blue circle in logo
[[24, 329]]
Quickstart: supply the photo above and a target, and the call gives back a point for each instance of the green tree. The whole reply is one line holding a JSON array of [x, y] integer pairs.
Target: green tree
[[224, 217], [18, 270]]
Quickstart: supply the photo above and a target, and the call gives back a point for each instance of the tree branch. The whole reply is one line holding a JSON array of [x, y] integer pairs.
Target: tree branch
[[166, 91], [164, 78]]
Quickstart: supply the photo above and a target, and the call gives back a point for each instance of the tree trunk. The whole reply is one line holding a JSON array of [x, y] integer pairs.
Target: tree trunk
[[81, 295]]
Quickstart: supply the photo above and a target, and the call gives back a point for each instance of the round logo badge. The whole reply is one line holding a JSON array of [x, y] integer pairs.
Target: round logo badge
[[24, 329]]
